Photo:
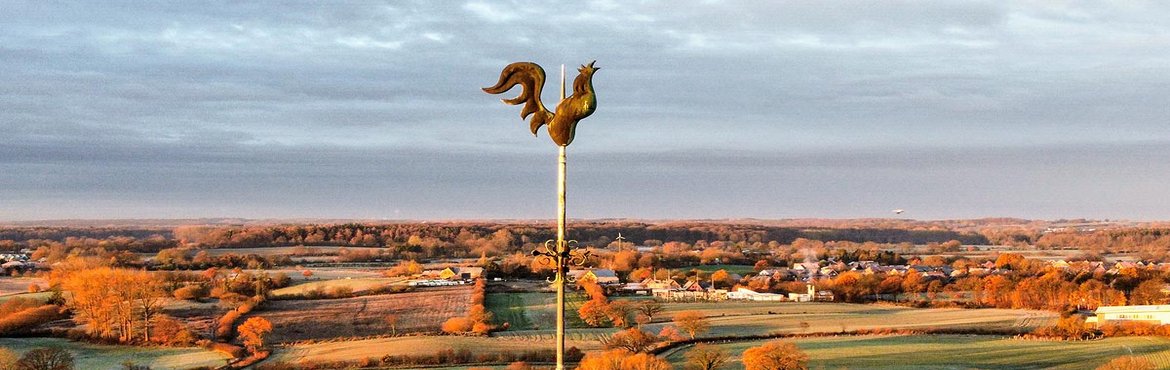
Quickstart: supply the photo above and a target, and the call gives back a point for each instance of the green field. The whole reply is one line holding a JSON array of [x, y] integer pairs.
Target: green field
[[959, 352], [39, 296], [94, 356], [534, 310], [734, 269], [531, 317]]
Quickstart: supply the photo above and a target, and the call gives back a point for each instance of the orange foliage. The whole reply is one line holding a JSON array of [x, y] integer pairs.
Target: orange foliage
[[478, 319], [457, 325], [622, 360], [775, 355], [252, 332], [691, 322]]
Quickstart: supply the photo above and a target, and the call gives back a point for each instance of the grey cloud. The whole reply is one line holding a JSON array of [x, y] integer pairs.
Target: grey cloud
[[106, 84]]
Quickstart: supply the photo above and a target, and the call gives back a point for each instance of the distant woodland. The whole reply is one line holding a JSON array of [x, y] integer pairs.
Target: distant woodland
[[460, 239]]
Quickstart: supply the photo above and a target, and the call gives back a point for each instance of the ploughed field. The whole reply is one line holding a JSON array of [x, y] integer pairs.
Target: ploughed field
[[956, 352], [418, 311]]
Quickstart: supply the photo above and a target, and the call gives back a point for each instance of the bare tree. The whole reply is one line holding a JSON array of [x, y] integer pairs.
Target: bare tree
[[706, 357]]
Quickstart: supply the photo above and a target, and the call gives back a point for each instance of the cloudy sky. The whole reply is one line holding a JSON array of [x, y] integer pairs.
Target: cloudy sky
[[842, 109]]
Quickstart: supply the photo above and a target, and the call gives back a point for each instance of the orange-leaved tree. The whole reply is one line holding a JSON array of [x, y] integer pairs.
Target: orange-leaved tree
[[775, 355], [622, 360], [691, 322], [252, 332]]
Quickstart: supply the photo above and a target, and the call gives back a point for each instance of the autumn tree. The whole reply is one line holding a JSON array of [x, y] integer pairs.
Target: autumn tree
[[112, 302], [252, 332], [593, 312], [1149, 292], [692, 322], [1128, 363], [706, 357], [519, 365], [721, 276], [45, 359], [775, 355], [8, 359], [649, 308], [632, 340], [392, 322], [405, 268], [622, 360], [619, 313]]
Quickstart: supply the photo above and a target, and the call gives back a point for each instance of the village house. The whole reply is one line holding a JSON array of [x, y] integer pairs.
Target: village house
[[666, 284], [599, 276]]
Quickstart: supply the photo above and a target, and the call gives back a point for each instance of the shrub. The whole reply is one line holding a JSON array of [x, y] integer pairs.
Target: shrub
[[341, 291], [457, 325], [775, 355], [25, 320], [191, 293]]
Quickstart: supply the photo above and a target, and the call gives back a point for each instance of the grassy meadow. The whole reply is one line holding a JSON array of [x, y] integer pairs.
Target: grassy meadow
[[96, 356], [734, 269], [957, 352], [532, 314]]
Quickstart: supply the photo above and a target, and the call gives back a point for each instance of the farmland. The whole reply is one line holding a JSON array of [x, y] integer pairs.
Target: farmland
[[746, 318], [356, 285], [11, 285], [95, 356], [532, 310], [959, 352], [410, 345], [734, 269], [421, 311]]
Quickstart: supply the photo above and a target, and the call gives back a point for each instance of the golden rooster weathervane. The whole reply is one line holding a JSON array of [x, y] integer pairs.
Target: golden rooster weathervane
[[562, 127], [562, 124]]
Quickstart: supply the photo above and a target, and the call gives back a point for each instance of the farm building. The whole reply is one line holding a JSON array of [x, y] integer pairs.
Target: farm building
[[1155, 314], [600, 276], [812, 295], [668, 284], [751, 295], [461, 273]]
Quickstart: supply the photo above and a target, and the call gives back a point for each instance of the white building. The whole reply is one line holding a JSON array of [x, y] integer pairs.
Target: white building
[[1154, 314], [751, 295], [804, 297]]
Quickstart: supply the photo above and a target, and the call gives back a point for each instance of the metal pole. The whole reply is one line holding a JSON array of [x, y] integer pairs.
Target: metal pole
[[562, 249]]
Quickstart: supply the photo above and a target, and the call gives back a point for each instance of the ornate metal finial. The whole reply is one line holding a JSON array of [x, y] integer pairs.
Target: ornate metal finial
[[571, 255], [562, 124]]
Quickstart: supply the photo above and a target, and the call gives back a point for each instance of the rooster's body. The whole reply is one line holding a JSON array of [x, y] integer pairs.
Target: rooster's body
[[562, 124]]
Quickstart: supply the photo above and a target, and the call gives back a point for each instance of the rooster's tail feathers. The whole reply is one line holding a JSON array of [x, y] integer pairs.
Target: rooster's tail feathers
[[531, 78]]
